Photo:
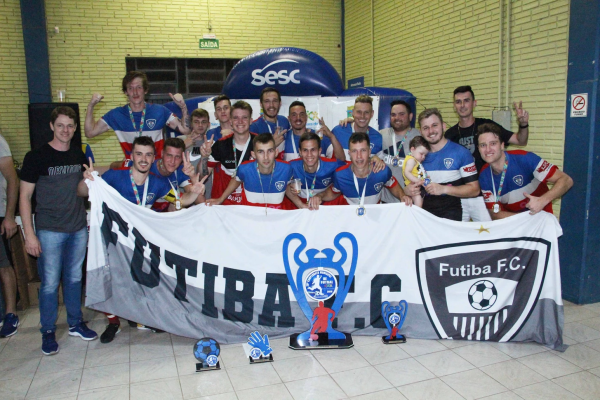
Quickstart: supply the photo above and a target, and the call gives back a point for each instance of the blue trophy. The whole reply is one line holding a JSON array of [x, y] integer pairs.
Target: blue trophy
[[315, 280], [207, 351], [394, 319], [258, 348]]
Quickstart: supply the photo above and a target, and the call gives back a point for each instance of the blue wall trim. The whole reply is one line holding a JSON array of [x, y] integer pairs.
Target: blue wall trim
[[35, 38]]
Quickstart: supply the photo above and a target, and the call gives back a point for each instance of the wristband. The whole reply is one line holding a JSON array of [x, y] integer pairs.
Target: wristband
[[524, 127]]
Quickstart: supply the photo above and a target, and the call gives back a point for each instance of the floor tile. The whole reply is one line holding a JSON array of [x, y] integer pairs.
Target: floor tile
[[503, 396], [453, 344], [222, 396], [512, 374], [389, 394], [186, 364], [583, 356], [583, 384], [320, 387], [235, 356], [418, 347], [146, 347], [444, 363], [481, 355], [275, 392], [14, 388], [574, 314], [404, 372], [68, 343], [182, 345], [150, 370], [105, 376], [594, 307], [473, 384], [204, 384], [549, 365], [545, 391], [340, 360], [595, 371], [433, 389], [19, 368], [109, 354], [297, 368], [365, 340], [63, 361], [379, 353], [361, 381], [516, 350], [252, 376], [161, 389], [110, 393], [62, 396], [55, 383], [581, 332]]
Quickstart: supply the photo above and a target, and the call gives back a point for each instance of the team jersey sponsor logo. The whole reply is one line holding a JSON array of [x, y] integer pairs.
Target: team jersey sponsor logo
[[378, 187], [326, 181], [482, 291], [545, 165], [281, 77], [151, 123], [448, 162], [518, 180], [486, 195], [279, 185], [470, 169]]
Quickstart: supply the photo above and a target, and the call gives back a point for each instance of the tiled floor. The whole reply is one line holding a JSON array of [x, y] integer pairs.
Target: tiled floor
[[145, 365]]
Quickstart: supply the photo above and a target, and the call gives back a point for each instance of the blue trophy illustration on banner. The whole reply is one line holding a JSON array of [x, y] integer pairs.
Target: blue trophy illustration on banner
[[394, 319], [315, 281]]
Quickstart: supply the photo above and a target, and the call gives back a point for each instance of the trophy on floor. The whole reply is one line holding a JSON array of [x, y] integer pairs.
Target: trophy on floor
[[315, 281], [394, 318], [258, 349], [207, 351]]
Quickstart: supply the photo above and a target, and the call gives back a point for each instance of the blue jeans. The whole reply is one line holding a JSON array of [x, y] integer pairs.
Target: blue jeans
[[62, 255]]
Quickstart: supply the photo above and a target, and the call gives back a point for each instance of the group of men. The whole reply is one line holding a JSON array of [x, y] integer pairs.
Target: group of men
[[273, 162]]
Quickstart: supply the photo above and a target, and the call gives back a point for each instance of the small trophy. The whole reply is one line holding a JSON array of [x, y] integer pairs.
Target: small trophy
[[394, 318], [207, 351], [258, 349]]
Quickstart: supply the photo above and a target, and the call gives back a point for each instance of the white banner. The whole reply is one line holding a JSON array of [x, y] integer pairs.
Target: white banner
[[226, 271]]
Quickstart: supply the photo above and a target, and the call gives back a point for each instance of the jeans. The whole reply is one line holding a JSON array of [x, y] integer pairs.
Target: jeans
[[62, 255]]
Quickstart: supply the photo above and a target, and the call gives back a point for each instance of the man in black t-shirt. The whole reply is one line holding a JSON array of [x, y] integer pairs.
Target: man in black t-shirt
[[60, 238], [465, 134]]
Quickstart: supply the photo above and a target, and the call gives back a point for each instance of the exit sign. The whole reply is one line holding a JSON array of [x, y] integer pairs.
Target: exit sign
[[209, 44]]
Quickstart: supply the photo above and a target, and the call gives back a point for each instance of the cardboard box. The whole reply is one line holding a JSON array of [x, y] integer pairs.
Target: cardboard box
[[34, 293]]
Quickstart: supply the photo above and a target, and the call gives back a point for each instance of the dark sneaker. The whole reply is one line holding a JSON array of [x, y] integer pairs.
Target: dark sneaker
[[82, 331], [156, 330], [132, 324], [109, 333], [9, 328], [49, 345]]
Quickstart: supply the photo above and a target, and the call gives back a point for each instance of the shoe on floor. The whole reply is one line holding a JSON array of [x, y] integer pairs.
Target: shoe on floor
[[80, 329], [10, 324], [109, 333], [49, 345]]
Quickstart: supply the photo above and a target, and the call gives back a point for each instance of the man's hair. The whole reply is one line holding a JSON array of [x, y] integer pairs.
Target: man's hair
[[428, 112], [63, 110], [176, 143], [489, 128], [200, 113], [419, 141], [465, 89], [130, 76], [268, 90], [309, 135], [403, 103], [143, 141], [242, 105], [358, 137], [296, 103], [263, 138], [220, 98], [363, 98]]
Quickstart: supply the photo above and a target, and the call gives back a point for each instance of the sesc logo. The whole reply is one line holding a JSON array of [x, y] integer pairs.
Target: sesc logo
[[272, 77]]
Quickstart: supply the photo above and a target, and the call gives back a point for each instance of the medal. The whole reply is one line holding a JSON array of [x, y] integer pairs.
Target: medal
[[395, 161], [360, 211], [496, 208], [178, 204]]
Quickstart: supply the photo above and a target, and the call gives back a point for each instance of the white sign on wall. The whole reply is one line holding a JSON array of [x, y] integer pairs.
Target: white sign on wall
[[579, 105]]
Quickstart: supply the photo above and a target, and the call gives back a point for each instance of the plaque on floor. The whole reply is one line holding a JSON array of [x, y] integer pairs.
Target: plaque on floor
[[207, 351]]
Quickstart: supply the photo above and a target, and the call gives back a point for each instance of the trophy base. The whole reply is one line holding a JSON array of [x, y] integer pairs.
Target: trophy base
[[200, 367], [401, 339], [323, 342], [261, 359]]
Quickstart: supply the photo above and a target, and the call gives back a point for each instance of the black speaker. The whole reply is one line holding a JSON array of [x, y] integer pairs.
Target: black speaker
[[39, 124]]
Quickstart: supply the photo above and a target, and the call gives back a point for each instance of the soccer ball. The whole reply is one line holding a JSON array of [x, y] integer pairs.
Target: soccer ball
[[206, 347], [482, 295]]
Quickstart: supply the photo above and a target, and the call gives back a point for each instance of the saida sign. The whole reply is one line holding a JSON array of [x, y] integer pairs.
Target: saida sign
[[209, 44]]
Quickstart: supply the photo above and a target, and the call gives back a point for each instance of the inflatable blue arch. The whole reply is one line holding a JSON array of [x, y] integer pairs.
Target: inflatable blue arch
[[296, 72]]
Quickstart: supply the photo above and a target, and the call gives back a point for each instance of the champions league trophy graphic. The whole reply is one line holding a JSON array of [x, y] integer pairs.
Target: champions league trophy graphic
[[316, 280], [258, 349], [394, 318]]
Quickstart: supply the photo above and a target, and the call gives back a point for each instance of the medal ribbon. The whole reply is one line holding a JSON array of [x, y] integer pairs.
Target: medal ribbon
[[141, 121], [312, 187], [362, 197], [497, 196], [135, 191], [237, 163]]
